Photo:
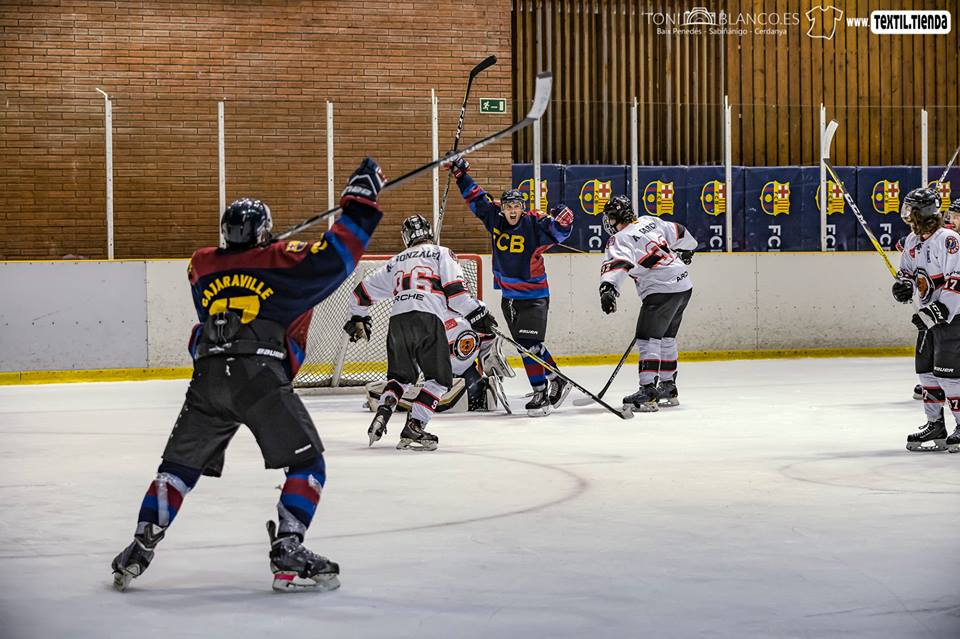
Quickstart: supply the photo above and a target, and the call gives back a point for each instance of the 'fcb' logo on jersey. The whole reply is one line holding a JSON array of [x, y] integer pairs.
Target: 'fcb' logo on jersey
[[886, 197], [835, 201], [944, 194], [594, 195], [658, 198], [713, 197], [526, 190], [775, 198]]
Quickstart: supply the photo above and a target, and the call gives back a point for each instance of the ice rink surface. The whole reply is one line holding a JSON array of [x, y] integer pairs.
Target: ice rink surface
[[776, 501]]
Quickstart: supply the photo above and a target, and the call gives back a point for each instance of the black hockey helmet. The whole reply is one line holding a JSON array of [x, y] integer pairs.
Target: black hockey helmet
[[921, 210], [617, 211], [416, 229], [246, 222], [512, 196]]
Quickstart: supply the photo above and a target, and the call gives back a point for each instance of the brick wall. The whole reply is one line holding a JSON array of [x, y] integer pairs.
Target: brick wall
[[165, 66]]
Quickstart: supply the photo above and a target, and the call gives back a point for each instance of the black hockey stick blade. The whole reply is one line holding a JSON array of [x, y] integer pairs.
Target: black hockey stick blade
[[541, 99], [484, 64], [622, 413]]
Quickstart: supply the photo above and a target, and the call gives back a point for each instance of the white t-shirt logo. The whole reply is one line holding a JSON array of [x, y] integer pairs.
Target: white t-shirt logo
[[830, 17]]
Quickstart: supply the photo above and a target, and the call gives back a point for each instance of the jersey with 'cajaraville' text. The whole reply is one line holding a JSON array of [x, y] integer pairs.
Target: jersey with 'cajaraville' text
[[644, 250]]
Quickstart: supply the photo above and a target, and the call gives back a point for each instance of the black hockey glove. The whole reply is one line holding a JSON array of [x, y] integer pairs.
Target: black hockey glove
[[481, 320], [685, 256], [562, 215], [365, 184], [930, 316], [457, 167], [903, 291], [608, 297], [358, 327]]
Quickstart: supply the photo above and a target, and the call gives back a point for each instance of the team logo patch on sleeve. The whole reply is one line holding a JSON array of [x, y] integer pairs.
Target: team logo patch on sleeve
[[951, 244], [296, 246], [466, 345]]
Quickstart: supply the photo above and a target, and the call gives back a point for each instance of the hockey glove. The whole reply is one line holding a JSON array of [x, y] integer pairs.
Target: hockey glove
[[930, 316], [903, 291], [685, 256], [481, 320], [608, 297], [365, 184], [562, 215], [457, 167], [358, 327]]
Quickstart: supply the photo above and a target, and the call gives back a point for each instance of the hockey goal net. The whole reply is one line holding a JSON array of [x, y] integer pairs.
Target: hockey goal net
[[332, 360]]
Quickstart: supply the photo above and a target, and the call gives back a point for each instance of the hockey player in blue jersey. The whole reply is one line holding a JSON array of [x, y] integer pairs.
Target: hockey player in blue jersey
[[254, 300], [518, 241]]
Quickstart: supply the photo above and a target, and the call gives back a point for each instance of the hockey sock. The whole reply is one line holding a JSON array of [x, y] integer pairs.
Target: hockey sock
[[933, 396], [393, 389], [300, 495], [951, 390], [427, 400], [649, 360], [668, 358], [536, 373], [165, 494]]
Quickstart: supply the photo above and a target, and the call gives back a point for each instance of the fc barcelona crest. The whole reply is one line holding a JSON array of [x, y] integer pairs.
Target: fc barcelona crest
[[658, 198], [713, 197], [775, 198], [594, 195], [886, 197], [526, 190], [944, 191], [835, 201]]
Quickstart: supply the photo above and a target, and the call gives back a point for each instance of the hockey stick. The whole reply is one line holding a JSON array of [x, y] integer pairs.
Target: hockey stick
[[586, 401], [541, 99], [485, 64], [828, 134], [943, 176], [623, 413]]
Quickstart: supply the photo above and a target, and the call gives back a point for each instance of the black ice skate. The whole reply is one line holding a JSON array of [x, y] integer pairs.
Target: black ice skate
[[413, 437], [295, 568], [644, 400], [934, 433], [918, 392], [667, 394], [135, 558], [559, 389], [378, 427], [953, 441], [539, 404]]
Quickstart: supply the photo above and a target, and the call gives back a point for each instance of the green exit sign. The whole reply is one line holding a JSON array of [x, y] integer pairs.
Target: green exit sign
[[493, 105]]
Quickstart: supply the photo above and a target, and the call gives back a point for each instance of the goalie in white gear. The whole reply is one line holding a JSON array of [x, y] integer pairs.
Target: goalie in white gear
[[930, 272], [426, 282], [478, 369], [655, 254]]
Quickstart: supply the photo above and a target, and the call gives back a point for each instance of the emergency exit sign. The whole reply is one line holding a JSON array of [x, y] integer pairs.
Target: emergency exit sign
[[493, 105]]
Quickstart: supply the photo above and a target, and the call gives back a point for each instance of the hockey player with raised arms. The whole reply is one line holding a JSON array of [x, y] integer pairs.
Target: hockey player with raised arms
[[655, 254], [518, 240], [930, 272], [425, 281], [254, 300]]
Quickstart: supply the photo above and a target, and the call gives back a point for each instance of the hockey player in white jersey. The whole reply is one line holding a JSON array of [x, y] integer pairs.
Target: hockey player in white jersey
[[425, 281], [655, 254], [930, 273], [478, 367]]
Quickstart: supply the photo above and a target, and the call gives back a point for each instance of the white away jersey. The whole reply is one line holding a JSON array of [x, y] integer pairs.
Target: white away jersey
[[425, 278], [934, 266], [644, 251]]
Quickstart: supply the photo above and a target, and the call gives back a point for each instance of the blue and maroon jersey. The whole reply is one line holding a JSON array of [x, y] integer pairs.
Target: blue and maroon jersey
[[518, 268], [281, 281]]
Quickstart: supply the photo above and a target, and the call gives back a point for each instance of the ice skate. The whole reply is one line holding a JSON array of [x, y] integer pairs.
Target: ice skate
[[539, 404], [667, 394], [559, 389], [378, 427], [295, 568], [135, 558], [644, 400], [918, 392], [934, 433], [413, 437], [953, 441]]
